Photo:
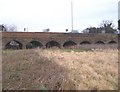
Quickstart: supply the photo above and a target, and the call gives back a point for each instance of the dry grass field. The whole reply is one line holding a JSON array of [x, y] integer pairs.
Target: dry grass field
[[54, 69]]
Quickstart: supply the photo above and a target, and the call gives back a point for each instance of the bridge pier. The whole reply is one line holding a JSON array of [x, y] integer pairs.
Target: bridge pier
[[78, 45], [44, 46], [23, 46], [61, 46]]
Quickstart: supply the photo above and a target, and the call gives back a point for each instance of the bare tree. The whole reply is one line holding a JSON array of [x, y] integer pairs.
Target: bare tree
[[3, 28], [12, 28], [108, 26], [106, 23]]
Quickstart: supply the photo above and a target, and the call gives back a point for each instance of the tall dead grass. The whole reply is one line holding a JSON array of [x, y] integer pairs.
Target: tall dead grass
[[60, 70]]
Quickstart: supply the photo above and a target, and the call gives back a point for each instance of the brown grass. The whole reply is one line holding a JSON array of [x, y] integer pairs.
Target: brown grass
[[60, 70]]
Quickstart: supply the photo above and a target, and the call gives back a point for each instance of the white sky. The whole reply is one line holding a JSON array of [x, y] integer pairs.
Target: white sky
[[37, 15]]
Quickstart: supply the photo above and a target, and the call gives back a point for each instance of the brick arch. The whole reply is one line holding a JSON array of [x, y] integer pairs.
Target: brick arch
[[112, 42], [14, 44], [85, 42], [100, 42], [52, 43], [69, 44], [34, 44]]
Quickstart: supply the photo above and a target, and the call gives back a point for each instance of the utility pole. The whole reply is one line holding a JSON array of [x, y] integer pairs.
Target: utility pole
[[119, 16], [71, 16]]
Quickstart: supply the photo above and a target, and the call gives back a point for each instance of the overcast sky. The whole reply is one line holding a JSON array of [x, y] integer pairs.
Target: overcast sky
[[37, 15]]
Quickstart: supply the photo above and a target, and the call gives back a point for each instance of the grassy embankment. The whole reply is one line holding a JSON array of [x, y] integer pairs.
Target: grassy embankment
[[60, 69]]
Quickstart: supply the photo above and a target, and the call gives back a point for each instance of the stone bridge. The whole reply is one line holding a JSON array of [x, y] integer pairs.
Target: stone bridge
[[28, 40]]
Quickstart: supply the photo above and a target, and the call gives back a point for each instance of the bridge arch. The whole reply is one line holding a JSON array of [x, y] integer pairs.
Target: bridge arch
[[112, 42], [99, 42], [85, 42], [13, 44], [34, 44], [51, 44], [69, 44]]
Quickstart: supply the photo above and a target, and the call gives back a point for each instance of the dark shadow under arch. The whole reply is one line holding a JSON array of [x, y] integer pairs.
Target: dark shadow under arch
[[85, 42], [13, 44], [112, 42], [69, 44], [100, 42], [34, 44], [51, 44]]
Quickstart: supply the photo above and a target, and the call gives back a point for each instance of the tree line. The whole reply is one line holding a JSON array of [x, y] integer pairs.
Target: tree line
[[105, 27]]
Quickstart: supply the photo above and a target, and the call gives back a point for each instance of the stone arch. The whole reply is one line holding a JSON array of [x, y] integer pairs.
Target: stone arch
[[85, 42], [51, 44], [13, 44], [100, 42], [69, 44], [34, 44], [112, 42]]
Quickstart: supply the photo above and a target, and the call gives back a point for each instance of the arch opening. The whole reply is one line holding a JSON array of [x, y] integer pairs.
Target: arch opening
[[112, 42], [69, 44], [34, 44], [13, 45], [53, 44], [100, 42], [85, 42]]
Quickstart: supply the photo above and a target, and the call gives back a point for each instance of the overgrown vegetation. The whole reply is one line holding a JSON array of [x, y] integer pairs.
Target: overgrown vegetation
[[105, 27], [55, 69]]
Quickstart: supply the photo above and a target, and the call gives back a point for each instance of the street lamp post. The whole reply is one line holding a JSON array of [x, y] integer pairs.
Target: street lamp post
[[71, 16]]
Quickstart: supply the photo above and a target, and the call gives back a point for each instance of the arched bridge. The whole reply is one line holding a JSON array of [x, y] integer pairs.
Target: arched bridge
[[28, 40]]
